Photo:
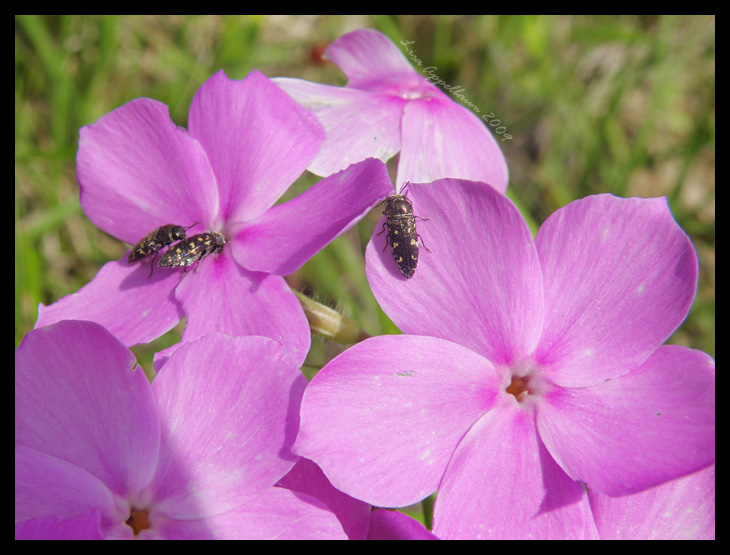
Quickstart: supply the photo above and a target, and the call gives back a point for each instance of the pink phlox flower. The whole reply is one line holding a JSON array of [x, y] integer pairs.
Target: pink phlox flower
[[529, 368], [388, 107], [246, 143], [194, 455]]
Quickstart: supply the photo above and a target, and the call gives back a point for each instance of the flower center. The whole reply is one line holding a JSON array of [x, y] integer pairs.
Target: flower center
[[412, 94], [414, 91], [519, 387], [411, 89], [137, 520], [526, 382]]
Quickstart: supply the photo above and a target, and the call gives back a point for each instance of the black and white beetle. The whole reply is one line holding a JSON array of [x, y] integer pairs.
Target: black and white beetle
[[191, 249], [402, 235], [155, 240]]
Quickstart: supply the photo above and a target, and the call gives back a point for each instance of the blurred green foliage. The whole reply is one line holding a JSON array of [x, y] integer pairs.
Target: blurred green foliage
[[620, 104]]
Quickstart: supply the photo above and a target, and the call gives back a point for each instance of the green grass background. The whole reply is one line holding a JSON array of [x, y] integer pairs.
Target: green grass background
[[620, 104]]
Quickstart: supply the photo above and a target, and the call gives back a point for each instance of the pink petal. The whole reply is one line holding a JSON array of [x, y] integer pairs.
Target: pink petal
[[289, 234], [307, 477], [620, 276], [46, 486], [393, 525], [502, 484], [83, 527], [277, 514], [73, 380], [480, 285], [383, 418], [257, 138], [122, 298], [220, 296], [138, 171], [369, 59], [230, 412], [443, 139], [359, 124], [683, 509], [637, 431]]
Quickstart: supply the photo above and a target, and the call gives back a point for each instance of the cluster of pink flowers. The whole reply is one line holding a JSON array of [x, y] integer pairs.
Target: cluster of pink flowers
[[531, 388]]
